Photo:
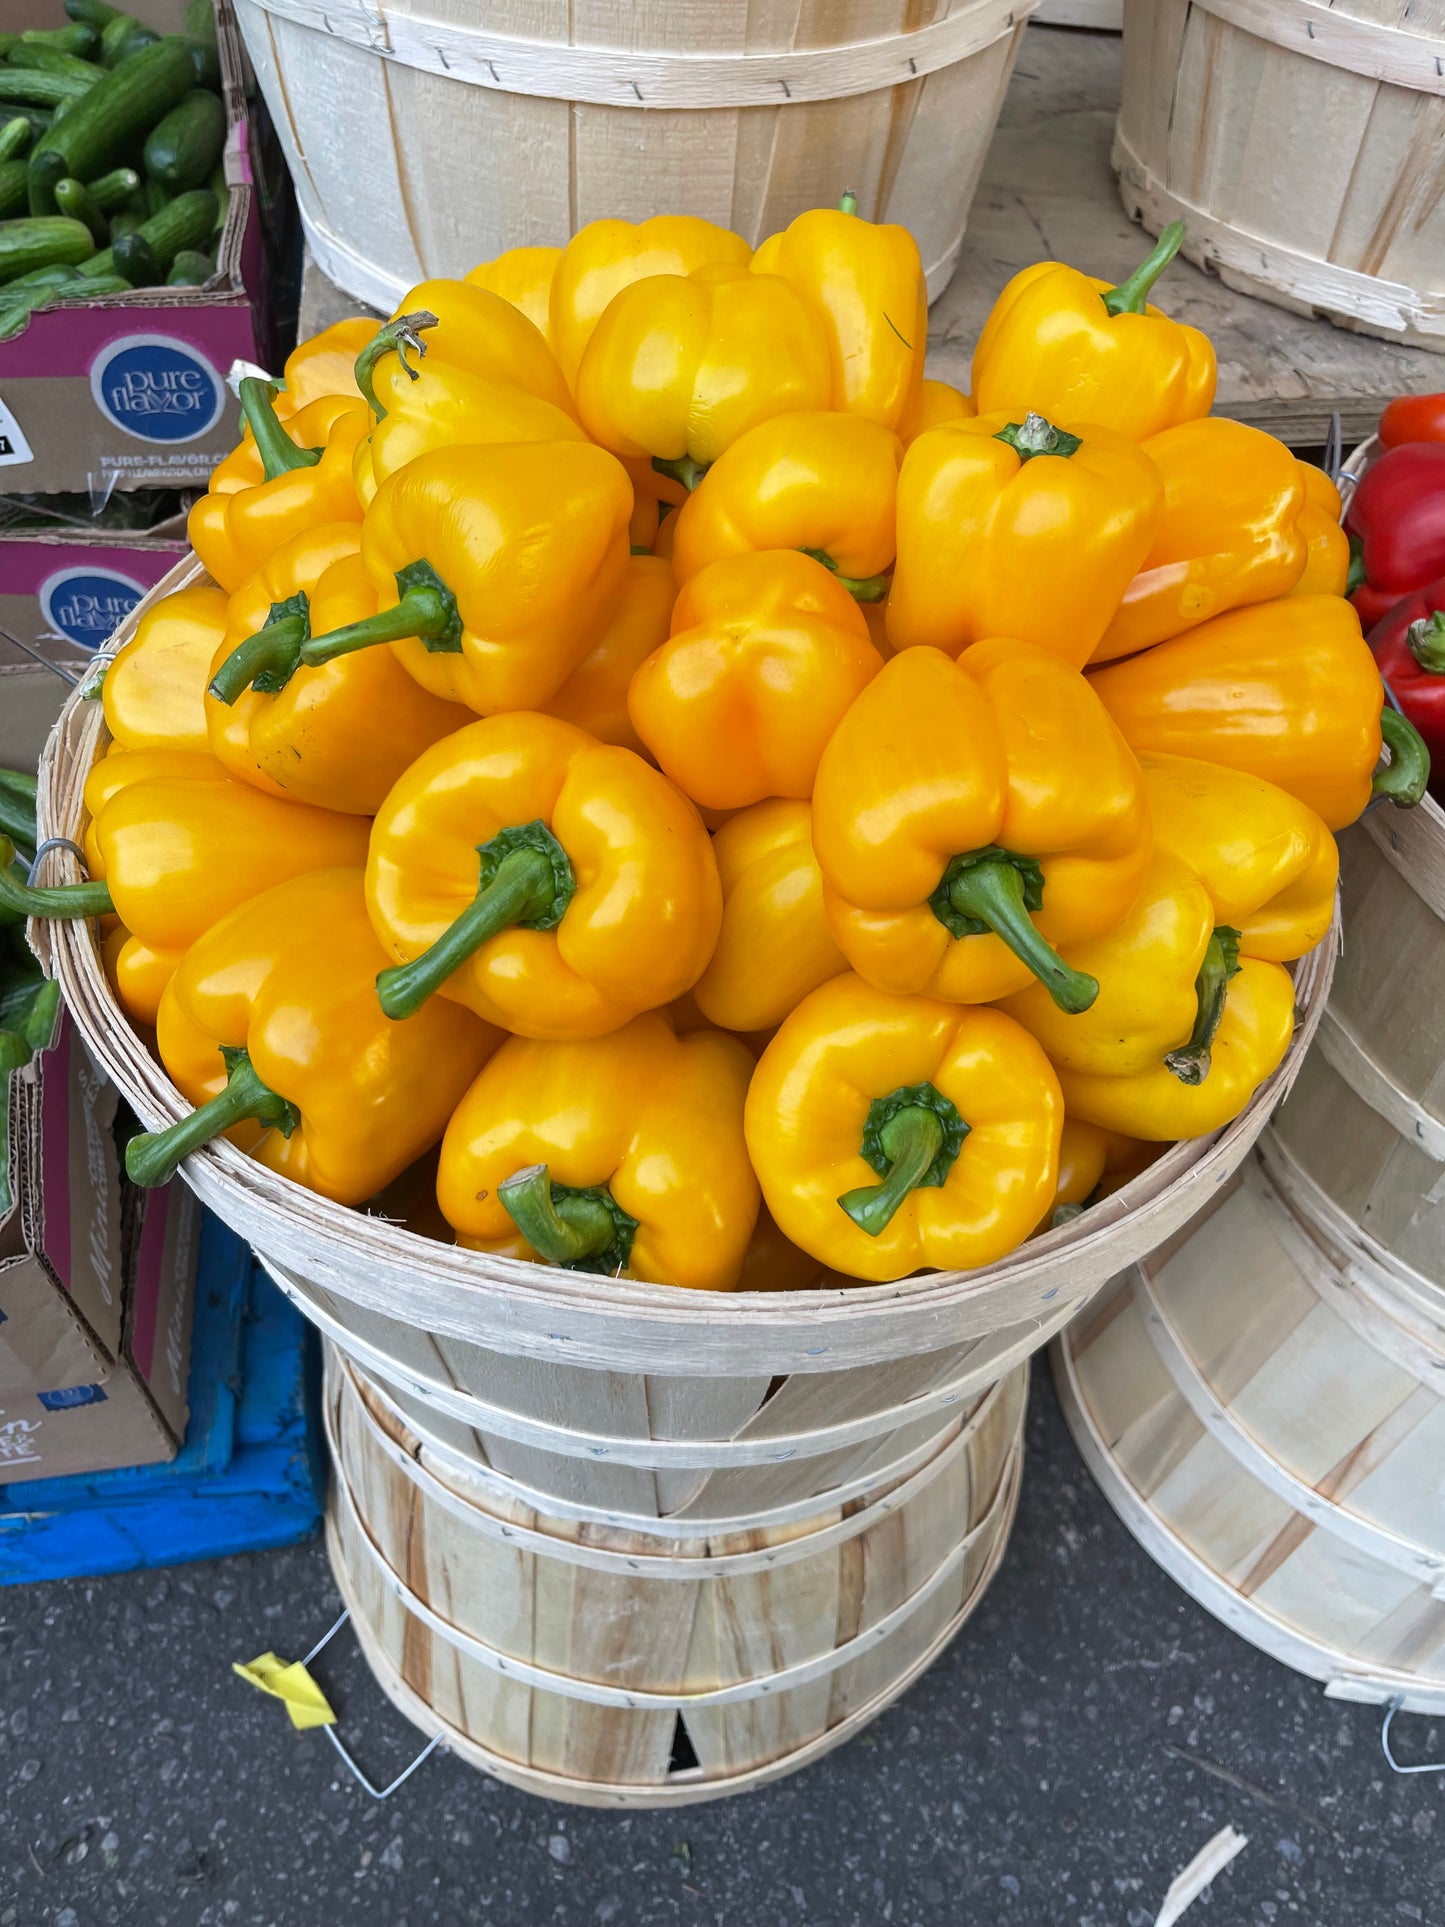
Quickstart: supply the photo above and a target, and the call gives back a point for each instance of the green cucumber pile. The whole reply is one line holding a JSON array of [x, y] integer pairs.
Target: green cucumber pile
[[111, 142]]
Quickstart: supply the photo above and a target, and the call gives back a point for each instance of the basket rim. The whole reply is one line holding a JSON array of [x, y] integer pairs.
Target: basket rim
[[281, 1218]]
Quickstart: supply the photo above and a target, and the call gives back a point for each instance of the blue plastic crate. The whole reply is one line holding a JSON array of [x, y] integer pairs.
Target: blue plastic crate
[[251, 1473]]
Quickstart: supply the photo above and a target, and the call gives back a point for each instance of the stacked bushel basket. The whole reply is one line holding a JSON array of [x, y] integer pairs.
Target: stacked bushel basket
[[1263, 1399], [625, 1544]]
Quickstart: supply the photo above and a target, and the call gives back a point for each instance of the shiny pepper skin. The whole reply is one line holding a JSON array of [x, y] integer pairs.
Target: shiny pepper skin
[[594, 696], [154, 692], [524, 277]]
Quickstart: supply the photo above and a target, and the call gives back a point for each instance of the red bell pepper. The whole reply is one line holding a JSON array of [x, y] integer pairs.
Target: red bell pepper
[[1413, 418], [1408, 644], [1397, 517]]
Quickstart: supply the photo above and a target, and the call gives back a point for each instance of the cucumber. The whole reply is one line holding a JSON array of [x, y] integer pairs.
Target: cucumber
[[14, 315], [53, 277], [93, 13], [154, 196], [82, 39], [76, 200], [102, 128], [201, 39], [14, 138], [125, 221], [113, 190], [185, 222], [13, 178], [50, 60], [221, 188], [42, 90], [133, 256], [122, 37], [42, 243], [190, 268], [182, 149]]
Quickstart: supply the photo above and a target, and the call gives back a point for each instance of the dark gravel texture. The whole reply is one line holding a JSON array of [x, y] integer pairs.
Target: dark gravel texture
[[1087, 1733]]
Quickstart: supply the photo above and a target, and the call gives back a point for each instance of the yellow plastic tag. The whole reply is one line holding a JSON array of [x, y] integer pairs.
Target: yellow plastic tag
[[293, 1686]]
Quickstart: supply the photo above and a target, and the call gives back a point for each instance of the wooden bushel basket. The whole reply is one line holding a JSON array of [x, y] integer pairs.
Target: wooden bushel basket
[[1270, 1455], [619, 1667], [1301, 142], [424, 142]]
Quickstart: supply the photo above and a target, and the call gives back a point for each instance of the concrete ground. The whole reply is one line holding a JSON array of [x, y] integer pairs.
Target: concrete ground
[[1087, 1733]]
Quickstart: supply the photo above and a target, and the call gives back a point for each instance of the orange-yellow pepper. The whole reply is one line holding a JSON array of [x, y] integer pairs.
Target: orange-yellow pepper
[[1018, 528], [1077, 349], [1286, 690], [679, 366], [325, 364], [496, 569], [597, 895], [1327, 547], [522, 276], [594, 696], [1229, 533], [767, 652], [154, 692], [774, 1263], [270, 1027], [466, 327], [775, 945], [623, 1155], [605, 257], [864, 283], [825, 484], [937, 402], [303, 477], [956, 1111], [969, 816], [339, 735], [1093, 1164], [172, 845]]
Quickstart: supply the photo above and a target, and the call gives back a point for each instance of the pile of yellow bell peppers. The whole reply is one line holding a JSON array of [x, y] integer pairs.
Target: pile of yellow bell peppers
[[768, 817]]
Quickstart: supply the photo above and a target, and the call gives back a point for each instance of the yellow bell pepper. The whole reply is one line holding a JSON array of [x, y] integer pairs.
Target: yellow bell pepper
[[303, 477], [774, 1263], [522, 276], [598, 895], [464, 326], [956, 1111], [1093, 1164], [679, 366], [594, 696], [337, 736], [937, 402], [767, 652], [497, 569], [1286, 690], [1327, 547], [1229, 533], [864, 283], [1253, 1034], [173, 845], [1077, 349], [775, 945], [605, 257], [825, 484], [970, 816], [325, 364], [1018, 528], [623, 1155], [270, 1027], [154, 692]]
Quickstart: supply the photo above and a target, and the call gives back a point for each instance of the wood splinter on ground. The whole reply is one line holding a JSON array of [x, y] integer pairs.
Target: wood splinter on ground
[[1212, 1858]]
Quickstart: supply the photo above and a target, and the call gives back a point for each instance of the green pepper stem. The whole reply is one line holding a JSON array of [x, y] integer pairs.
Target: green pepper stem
[[1190, 1063], [1405, 776], [912, 1138], [393, 336], [1356, 578], [522, 888], [1132, 296], [154, 1157], [684, 469], [421, 612], [862, 588], [279, 454], [848, 204], [992, 892], [62, 901], [1035, 435], [274, 650], [17, 806], [565, 1229], [1425, 640]]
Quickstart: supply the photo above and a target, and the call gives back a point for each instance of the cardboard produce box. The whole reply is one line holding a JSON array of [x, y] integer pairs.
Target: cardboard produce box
[[96, 1278], [65, 590], [129, 390]]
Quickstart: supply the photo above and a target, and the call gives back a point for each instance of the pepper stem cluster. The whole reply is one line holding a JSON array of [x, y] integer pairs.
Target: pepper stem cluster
[[1132, 296], [64, 900], [526, 882], [1425, 640], [994, 889], [579, 1229], [1190, 1063], [154, 1157], [862, 588], [1404, 778], [911, 1138], [279, 454], [1036, 436], [269, 659], [427, 610], [393, 337]]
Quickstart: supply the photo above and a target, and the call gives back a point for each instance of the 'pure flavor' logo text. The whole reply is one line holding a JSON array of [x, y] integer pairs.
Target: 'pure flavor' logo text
[[85, 605], [157, 389]]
